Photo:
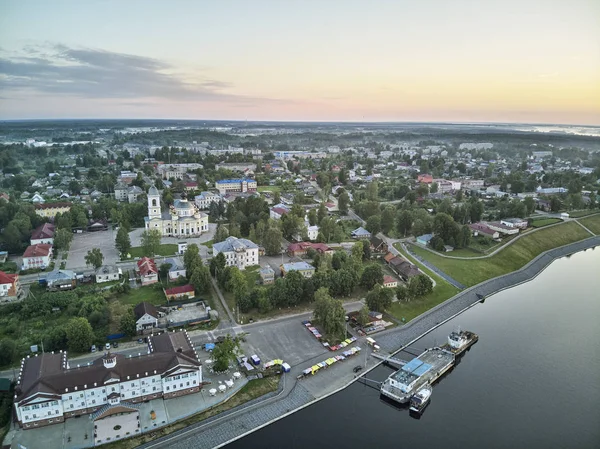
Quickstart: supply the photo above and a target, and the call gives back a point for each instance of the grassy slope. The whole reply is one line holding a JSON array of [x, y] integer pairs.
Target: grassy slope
[[414, 308], [592, 223], [544, 222], [471, 272]]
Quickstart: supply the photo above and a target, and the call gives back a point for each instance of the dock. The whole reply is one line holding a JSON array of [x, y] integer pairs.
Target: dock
[[389, 360]]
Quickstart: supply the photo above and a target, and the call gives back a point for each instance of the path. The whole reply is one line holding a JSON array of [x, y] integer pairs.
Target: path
[[223, 302], [583, 226], [435, 269]]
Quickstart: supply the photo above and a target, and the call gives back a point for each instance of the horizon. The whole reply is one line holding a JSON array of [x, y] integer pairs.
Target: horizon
[[513, 62]]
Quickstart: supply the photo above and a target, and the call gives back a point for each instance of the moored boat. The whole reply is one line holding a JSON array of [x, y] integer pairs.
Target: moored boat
[[420, 399], [459, 341]]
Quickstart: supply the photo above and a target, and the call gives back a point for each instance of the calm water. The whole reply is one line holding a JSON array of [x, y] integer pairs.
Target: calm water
[[532, 380]]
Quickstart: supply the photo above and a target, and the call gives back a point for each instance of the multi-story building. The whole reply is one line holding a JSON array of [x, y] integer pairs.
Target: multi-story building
[[37, 256], [49, 210], [147, 270], [304, 268], [205, 199], [243, 167], [49, 390], [183, 219], [43, 234], [236, 185], [177, 171], [10, 287], [239, 253]]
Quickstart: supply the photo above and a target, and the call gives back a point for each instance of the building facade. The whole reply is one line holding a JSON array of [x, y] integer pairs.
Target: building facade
[[205, 199], [37, 256], [49, 390], [43, 234], [10, 287], [239, 253], [236, 185], [182, 219], [50, 210]]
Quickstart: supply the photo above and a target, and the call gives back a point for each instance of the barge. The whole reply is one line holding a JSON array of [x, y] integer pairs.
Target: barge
[[428, 367]]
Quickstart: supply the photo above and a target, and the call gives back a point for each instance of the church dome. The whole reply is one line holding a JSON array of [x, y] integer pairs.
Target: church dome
[[183, 205], [153, 191]]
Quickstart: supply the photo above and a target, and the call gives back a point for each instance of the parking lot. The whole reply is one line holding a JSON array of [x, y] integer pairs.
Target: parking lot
[[86, 241]]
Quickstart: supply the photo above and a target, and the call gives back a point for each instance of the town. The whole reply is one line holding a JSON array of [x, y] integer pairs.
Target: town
[[146, 264]]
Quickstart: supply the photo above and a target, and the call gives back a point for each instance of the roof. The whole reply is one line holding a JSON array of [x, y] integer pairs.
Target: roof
[[153, 191], [360, 231], [280, 210], [144, 308], [425, 237], [234, 244], [389, 280], [7, 278], [388, 257], [45, 231], [146, 266], [179, 290], [52, 205], [480, 227], [376, 241], [234, 181], [297, 266], [266, 271], [48, 373], [39, 250], [107, 269], [60, 275], [303, 246]]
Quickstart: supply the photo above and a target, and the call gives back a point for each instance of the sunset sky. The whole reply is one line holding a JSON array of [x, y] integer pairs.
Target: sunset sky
[[338, 60]]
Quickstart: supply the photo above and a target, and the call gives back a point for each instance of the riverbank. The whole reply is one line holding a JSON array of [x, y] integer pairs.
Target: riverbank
[[296, 395]]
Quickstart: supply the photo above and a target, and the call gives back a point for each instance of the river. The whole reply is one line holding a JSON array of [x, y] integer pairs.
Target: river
[[532, 380]]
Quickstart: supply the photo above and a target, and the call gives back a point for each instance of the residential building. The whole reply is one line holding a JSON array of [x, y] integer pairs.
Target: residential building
[[390, 282], [177, 269], [147, 271], [43, 234], [121, 191], [378, 245], [239, 253], [205, 199], [360, 233], [267, 275], [61, 280], [236, 185], [133, 193], [514, 223], [550, 190], [403, 268], [177, 171], [37, 199], [183, 219], [49, 210], [278, 211], [108, 273], [180, 292], [472, 184], [305, 269], [49, 390], [424, 239], [425, 178], [501, 228], [10, 287], [243, 167], [483, 229], [301, 248], [146, 317], [37, 256]]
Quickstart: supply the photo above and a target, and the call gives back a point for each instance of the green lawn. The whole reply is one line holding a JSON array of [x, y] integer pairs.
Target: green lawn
[[167, 249], [581, 213], [208, 244], [471, 272], [544, 222], [271, 189], [441, 292], [149, 293], [592, 223]]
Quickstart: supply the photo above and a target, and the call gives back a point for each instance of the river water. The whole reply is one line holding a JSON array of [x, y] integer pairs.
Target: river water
[[532, 380]]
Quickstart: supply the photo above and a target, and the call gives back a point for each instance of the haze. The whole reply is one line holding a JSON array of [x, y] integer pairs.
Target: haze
[[460, 61]]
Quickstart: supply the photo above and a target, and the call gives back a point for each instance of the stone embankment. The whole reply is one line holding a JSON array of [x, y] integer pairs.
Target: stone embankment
[[224, 428]]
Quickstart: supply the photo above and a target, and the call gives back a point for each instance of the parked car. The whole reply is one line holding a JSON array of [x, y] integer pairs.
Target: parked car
[[115, 344], [141, 340], [93, 348], [107, 346]]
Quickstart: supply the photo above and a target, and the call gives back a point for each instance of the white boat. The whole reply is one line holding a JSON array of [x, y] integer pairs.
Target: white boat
[[459, 341], [420, 399]]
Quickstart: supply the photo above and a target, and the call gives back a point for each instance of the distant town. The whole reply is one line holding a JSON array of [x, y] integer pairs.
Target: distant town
[[144, 263]]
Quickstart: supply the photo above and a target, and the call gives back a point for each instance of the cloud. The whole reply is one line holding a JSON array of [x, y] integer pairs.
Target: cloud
[[58, 70]]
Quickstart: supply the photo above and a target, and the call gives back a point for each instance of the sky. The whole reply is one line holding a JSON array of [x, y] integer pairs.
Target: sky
[[509, 61]]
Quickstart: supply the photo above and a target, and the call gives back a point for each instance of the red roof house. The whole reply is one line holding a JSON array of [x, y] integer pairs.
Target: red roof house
[[425, 178], [9, 286], [37, 256], [147, 270], [43, 234], [390, 282], [300, 249], [183, 291]]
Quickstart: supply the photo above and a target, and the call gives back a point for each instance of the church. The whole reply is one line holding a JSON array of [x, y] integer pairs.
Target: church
[[182, 219]]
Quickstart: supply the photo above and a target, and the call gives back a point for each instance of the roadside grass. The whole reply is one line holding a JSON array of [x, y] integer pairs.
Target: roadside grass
[[471, 272], [408, 310], [166, 249], [149, 293], [208, 244], [581, 213], [592, 223], [544, 222], [252, 390], [272, 189], [9, 267]]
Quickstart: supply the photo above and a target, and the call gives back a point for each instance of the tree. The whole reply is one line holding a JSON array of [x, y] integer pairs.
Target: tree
[[224, 353], [200, 278], [555, 204], [163, 270], [366, 250], [272, 241], [221, 233], [127, 324], [191, 258], [236, 283], [330, 314], [459, 196], [321, 212], [373, 224], [373, 191], [387, 220], [217, 264], [312, 217], [433, 188], [151, 242], [529, 204], [94, 257], [404, 222], [8, 351], [380, 298], [343, 202], [372, 274], [122, 241], [476, 210], [63, 238], [402, 293], [363, 316], [294, 282], [79, 335], [167, 196]]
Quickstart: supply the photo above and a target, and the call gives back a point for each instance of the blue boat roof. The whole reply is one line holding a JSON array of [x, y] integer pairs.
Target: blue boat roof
[[412, 365], [231, 181], [422, 369]]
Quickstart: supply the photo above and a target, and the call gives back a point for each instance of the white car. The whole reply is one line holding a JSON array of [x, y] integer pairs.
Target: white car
[[93, 348], [107, 346]]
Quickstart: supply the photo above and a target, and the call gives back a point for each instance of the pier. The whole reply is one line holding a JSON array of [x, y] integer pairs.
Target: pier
[[389, 360]]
